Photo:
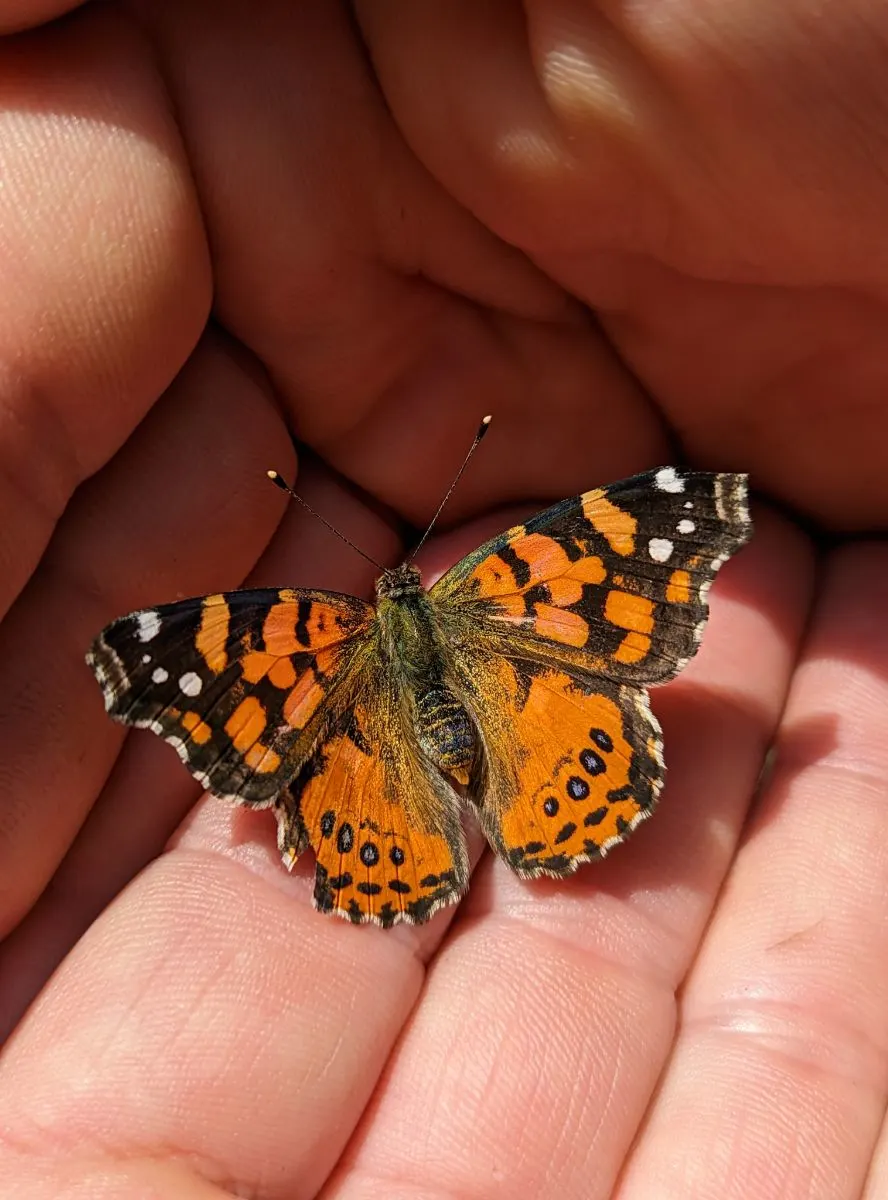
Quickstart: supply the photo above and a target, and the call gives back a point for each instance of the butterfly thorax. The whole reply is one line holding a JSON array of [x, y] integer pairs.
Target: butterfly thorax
[[411, 640], [416, 652], [405, 580]]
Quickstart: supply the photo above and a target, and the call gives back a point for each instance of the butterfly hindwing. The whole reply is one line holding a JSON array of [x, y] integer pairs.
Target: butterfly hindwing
[[612, 582], [384, 823], [236, 681], [579, 767]]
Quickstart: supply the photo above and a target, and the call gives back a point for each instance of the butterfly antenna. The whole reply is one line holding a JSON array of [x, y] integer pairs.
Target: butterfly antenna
[[482, 429], [276, 479]]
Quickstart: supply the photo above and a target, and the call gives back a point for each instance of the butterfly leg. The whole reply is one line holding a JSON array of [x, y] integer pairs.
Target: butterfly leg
[[292, 834]]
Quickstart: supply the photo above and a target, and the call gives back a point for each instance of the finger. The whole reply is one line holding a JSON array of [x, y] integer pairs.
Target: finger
[[354, 245], [104, 283], [26, 1179], [574, 136], [876, 1186], [23, 14], [164, 519], [208, 984], [148, 792], [549, 1011], [635, 172], [783, 1016]]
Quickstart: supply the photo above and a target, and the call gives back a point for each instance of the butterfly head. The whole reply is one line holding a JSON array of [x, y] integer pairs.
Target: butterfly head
[[405, 580]]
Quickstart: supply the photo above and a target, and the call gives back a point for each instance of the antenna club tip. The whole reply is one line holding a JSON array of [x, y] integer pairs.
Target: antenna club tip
[[484, 426]]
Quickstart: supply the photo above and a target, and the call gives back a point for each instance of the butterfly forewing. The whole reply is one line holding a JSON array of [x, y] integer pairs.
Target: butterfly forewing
[[237, 681], [613, 581]]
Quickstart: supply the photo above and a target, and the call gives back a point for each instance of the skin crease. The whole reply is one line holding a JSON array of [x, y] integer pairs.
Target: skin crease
[[635, 233]]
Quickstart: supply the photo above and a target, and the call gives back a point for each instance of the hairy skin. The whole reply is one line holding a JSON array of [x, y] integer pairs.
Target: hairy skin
[[630, 231]]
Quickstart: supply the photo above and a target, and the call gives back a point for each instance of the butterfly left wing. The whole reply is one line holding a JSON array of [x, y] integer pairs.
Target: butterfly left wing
[[237, 682], [280, 698]]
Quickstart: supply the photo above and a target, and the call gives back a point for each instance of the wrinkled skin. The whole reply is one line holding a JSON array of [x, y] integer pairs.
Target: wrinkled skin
[[633, 232]]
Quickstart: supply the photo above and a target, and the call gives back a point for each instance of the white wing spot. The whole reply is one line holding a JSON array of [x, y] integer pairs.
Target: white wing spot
[[686, 527], [146, 658], [160, 675], [190, 683], [689, 504], [660, 549], [668, 481], [149, 625]]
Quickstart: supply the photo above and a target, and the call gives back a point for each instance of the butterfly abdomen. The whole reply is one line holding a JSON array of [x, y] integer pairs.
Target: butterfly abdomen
[[445, 732]]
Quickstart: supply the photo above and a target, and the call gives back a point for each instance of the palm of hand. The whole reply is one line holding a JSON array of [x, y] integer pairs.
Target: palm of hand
[[210, 1033]]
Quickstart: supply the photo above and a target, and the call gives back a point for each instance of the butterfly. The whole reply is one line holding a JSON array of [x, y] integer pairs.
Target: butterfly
[[519, 678]]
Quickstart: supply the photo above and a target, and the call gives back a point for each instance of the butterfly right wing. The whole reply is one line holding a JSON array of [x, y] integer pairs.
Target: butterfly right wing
[[556, 626], [237, 682]]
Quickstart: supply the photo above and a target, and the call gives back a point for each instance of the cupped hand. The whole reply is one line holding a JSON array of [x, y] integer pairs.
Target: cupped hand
[[634, 233]]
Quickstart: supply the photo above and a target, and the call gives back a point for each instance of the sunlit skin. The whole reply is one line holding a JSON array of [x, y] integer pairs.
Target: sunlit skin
[[635, 233]]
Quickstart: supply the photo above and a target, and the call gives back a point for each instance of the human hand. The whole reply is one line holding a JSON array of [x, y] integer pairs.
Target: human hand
[[701, 1015]]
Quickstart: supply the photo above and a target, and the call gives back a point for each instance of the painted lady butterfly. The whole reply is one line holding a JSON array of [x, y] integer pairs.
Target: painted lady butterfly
[[521, 674]]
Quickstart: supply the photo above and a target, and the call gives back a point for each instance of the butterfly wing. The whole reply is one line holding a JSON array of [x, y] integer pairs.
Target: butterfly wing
[[568, 766], [237, 682], [280, 697], [612, 582], [382, 820], [570, 615]]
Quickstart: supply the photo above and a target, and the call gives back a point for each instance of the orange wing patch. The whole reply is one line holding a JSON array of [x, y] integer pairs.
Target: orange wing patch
[[384, 854], [678, 589], [617, 526], [635, 614], [212, 634], [533, 581], [295, 625], [584, 768]]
